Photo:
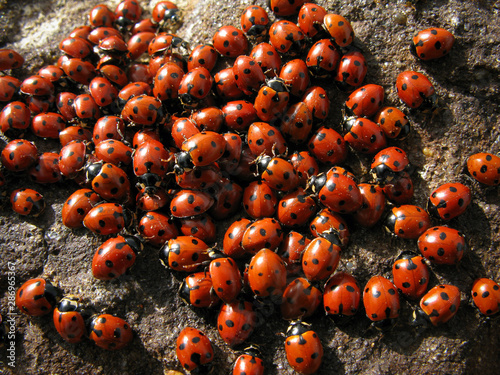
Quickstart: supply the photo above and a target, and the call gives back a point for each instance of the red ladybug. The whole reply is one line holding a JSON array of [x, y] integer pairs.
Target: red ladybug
[[197, 290], [300, 299], [200, 226], [438, 305], [339, 193], [400, 189], [296, 77], [230, 41], [19, 155], [138, 44], [373, 205], [442, 245], [143, 110], [226, 278], [342, 296], [296, 208], [393, 122], [195, 85], [262, 233], [285, 8], [254, 20], [410, 275], [203, 55], [272, 100], [8, 87], [15, 118], [408, 221], [388, 163], [115, 257], [157, 228], [227, 199], [184, 253], [316, 99], [10, 59], [328, 146], [36, 297], [365, 101], [101, 15], [305, 165], [303, 348], [310, 19], [114, 151], [201, 149], [333, 223], [239, 114], [109, 181], [264, 139], [73, 133], [249, 363], [231, 245], [199, 178], [46, 169], [322, 58], [77, 206], [232, 156], [486, 296], [133, 89], [69, 320], [151, 163], [194, 350], [208, 118], [36, 85], [381, 301], [297, 123], [277, 172], [107, 218], [248, 75], [351, 71], [432, 43], [110, 332], [225, 85], [187, 203], [267, 274], [266, 56], [415, 90], [320, 259], [483, 166], [449, 200], [236, 322], [27, 202], [287, 38], [339, 29], [166, 14], [108, 127], [364, 136], [291, 250]]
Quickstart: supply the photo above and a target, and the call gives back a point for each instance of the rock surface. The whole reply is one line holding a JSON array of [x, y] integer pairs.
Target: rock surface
[[468, 82]]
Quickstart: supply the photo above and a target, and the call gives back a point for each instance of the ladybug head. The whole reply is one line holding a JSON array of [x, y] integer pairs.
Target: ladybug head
[[383, 173], [277, 84], [332, 235], [297, 327], [149, 182], [406, 255], [50, 293], [188, 101], [135, 243], [315, 183], [171, 17], [349, 123], [69, 303], [92, 170], [262, 162], [257, 31], [183, 162]]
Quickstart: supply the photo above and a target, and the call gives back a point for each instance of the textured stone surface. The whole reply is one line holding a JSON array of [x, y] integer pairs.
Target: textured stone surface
[[468, 83]]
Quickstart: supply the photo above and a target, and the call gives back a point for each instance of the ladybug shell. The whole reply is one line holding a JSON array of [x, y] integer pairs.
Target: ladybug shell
[[387, 163], [408, 221], [197, 290], [157, 228], [114, 257], [200, 226], [486, 296], [332, 222], [411, 275], [205, 148], [259, 200], [364, 136], [483, 166], [432, 43], [231, 245], [106, 218], [351, 71], [19, 155], [254, 21], [305, 165], [194, 86], [68, 320], [267, 274], [236, 322], [248, 364], [339, 28], [316, 99], [72, 158], [400, 189], [36, 297], [10, 59], [114, 151], [320, 259], [111, 182], [381, 299], [414, 89], [296, 77], [248, 74], [328, 146], [203, 55], [271, 100], [226, 278], [310, 19], [340, 194], [27, 202], [184, 253], [373, 205], [297, 123], [291, 250], [286, 37], [266, 56], [296, 208], [193, 349], [393, 122], [441, 303], [322, 58], [442, 245], [303, 348], [110, 332], [230, 41], [449, 200], [342, 295], [187, 203], [77, 206], [300, 299], [151, 157], [266, 232], [365, 101], [279, 174], [264, 139]]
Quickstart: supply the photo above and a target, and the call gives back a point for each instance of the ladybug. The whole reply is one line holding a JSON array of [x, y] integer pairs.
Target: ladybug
[[131, 90], [351, 71], [226, 278], [184, 253], [103, 92], [364, 136], [167, 15], [393, 122], [300, 299], [144, 135], [248, 75], [400, 189], [239, 114], [101, 15], [108, 127], [78, 70], [316, 99], [407, 221], [438, 305], [296, 76], [127, 13], [37, 85], [272, 100], [69, 320], [46, 169], [27, 202], [328, 146], [203, 55], [200, 226], [277, 172], [486, 296], [15, 118], [227, 197], [208, 118], [231, 245], [194, 350], [109, 181], [365, 101], [195, 85], [296, 208], [230, 41], [268, 58], [415, 90], [287, 38], [339, 28], [297, 123], [236, 322], [138, 44], [114, 151], [199, 178], [432, 43], [303, 348], [107, 218], [381, 301], [19, 155], [36, 297], [183, 129], [102, 32], [157, 228], [340, 192], [73, 133], [201, 149], [449, 200], [150, 164], [291, 250], [322, 58], [110, 332], [115, 75], [9, 86], [305, 165], [333, 223], [77, 206], [388, 163], [143, 110], [187, 203], [75, 47], [249, 363], [320, 258], [341, 297], [254, 21], [286, 8], [10, 59], [115, 257], [262, 233], [267, 275], [310, 19], [232, 155], [483, 167], [225, 85], [373, 205], [86, 108], [442, 245], [411, 275], [264, 139], [197, 290], [151, 202]]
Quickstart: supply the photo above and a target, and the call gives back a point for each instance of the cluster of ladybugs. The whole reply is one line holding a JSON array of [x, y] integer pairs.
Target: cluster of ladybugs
[[135, 111]]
